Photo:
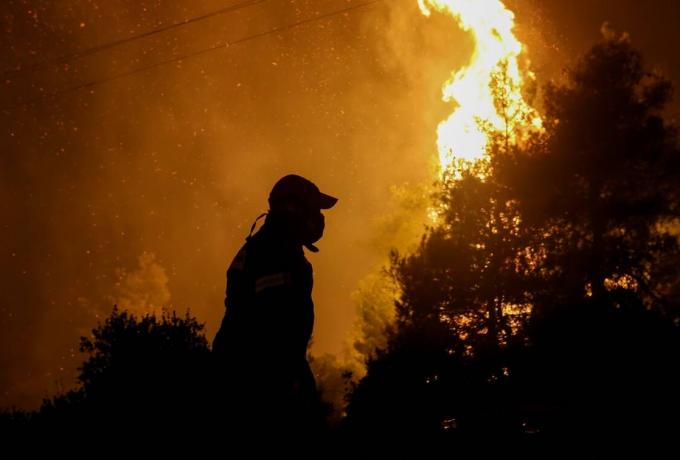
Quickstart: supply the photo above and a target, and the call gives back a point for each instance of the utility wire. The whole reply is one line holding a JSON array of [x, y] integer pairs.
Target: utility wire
[[184, 57], [105, 46]]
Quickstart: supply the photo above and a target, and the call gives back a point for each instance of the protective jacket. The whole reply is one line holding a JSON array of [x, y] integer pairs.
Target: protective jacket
[[262, 342]]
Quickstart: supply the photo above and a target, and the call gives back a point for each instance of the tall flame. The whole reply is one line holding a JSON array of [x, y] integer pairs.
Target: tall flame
[[462, 136]]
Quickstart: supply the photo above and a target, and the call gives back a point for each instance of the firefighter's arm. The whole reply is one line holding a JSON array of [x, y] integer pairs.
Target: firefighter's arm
[[235, 297], [284, 300]]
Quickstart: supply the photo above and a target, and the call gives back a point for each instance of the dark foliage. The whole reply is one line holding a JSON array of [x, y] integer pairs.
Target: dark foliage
[[543, 304], [142, 376]]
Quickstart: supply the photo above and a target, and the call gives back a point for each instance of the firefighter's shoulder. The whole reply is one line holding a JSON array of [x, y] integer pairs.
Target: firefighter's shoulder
[[251, 256], [238, 263]]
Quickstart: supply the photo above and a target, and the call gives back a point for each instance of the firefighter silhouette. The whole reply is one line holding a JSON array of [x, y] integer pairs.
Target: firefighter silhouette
[[260, 349]]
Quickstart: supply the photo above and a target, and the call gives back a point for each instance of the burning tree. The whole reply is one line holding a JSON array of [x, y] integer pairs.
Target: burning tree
[[540, 300]]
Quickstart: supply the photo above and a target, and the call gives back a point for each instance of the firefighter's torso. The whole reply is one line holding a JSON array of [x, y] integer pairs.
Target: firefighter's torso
[[269, 310]]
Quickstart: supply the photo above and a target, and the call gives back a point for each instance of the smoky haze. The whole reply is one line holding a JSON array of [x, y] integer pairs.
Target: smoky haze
[[140, 190]]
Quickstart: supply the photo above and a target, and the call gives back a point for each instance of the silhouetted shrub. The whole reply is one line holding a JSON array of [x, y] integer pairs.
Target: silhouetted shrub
[[142, 375]]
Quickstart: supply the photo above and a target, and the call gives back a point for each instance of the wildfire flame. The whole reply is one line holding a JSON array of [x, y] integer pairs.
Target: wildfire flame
[[463, 136]]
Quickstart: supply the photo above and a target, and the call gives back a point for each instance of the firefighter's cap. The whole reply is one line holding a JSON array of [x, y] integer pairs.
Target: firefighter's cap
[[298, 189]]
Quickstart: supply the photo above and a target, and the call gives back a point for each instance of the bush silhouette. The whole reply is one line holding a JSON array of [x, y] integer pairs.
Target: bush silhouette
[[141, 375]]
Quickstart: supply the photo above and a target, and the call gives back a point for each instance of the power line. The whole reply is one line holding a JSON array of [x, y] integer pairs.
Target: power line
[[104, 46], [184, 57]]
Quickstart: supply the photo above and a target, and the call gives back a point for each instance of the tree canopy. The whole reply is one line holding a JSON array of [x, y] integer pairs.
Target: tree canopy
[[542, 300]]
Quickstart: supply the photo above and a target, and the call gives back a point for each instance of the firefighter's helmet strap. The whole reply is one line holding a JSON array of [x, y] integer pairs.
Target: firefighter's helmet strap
[[311, 247], [250, 234]]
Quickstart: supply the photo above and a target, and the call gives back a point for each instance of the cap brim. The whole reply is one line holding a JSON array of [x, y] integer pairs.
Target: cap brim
[[326, 201]]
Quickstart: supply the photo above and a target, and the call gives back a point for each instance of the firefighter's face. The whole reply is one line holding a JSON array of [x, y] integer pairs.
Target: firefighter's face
[[307, 223], [314, 225]]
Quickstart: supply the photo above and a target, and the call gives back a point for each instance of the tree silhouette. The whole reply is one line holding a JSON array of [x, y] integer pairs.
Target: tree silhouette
[[543, 301], [142, 375], [604, 178], [594, 196]]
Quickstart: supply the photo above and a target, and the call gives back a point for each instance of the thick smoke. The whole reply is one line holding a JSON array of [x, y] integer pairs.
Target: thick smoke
[[177, 161], [143, 290]]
